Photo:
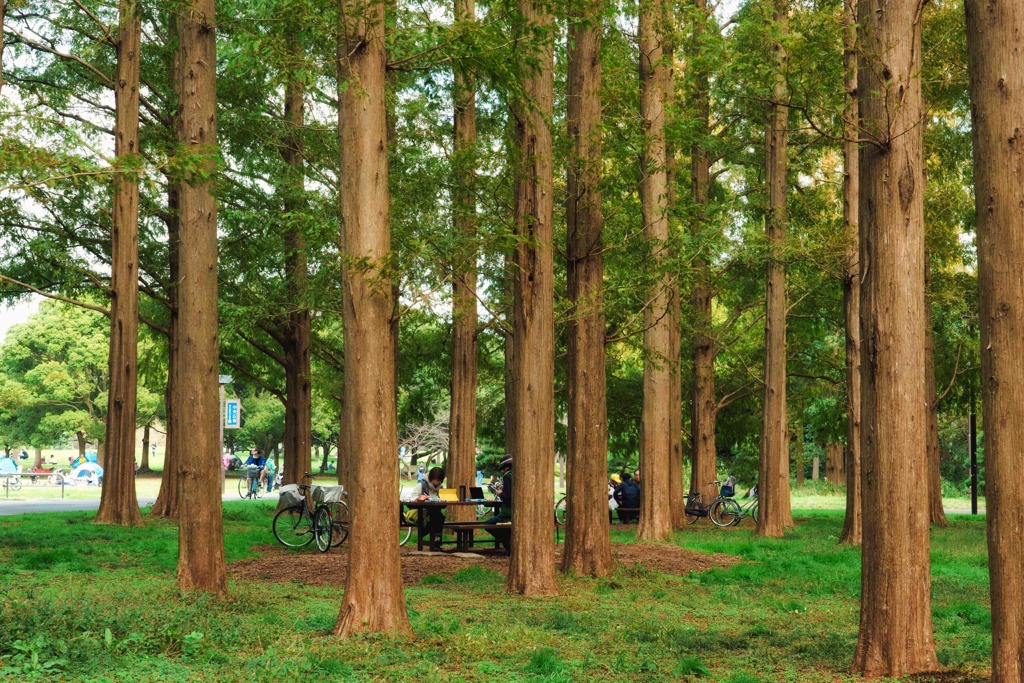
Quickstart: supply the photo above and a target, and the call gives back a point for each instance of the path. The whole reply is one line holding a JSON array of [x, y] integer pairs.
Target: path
[[24, 507]]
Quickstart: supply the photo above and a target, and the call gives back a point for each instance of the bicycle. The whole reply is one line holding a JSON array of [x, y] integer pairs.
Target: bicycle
[[726, 511], [560, 508], [695, 507], [13, 481], [327, 521], [249, 484]]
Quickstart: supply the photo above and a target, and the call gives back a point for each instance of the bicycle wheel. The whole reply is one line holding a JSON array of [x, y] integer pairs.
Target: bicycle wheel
[[243, 488], [725, 512], [293, 527], [16, 484], [322, 529], [693, 510], [560, 508], [404, 533], [257, 490], [755, 515], [341, 522]]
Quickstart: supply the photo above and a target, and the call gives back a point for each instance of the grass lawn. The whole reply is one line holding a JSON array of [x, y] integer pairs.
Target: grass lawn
[[83, 602]]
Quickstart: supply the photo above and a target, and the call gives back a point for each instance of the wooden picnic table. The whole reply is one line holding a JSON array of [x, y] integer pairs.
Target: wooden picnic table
[[463, 530]]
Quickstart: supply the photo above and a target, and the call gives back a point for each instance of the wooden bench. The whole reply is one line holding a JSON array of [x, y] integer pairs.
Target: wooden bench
[[613, 514], [465, 532]]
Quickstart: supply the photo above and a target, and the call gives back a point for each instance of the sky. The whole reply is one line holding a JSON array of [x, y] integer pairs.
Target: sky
[[17, 314]]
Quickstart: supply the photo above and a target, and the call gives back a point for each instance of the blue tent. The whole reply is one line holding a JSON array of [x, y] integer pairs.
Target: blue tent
[[83, 471], [9, 466]]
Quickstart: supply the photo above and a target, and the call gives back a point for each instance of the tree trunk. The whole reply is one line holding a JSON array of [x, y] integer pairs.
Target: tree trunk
[[81, 443], [587, 548], [933, 455], [815, 466], [835, 467], [144, 465], [3, 12], [118, 501], [995, 48], [851, 534], [676, 500], [201, 564], [798, 449], [703, 408], [532, 563], [655, 513], [166, 505], [37, 463], [462, 418], [374, 600], [511, 439], [895, 636], [773, 476], [298, 388]]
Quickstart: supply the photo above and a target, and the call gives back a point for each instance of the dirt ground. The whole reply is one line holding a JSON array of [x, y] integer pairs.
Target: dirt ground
[[277, 565]]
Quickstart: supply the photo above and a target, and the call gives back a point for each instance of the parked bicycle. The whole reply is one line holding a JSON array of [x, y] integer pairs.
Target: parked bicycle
[[696, 508], [726, 511], [327, 521]]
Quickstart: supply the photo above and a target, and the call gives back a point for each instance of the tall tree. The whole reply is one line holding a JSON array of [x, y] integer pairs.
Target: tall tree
[[201, 563], [936, 514], [374, 599], [851, 279], [655, 514], [703, 406], [995, 48], [298, 423], [462, 420], [532, 563], [587, 543], [773, 477], [896, 619], [118, 501]]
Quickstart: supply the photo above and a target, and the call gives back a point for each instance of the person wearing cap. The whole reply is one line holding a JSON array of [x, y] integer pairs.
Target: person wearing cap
[[504, 536]]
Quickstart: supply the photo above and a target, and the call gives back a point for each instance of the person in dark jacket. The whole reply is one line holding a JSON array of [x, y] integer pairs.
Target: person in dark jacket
[[504, 536], [429, 487], [627, 495]]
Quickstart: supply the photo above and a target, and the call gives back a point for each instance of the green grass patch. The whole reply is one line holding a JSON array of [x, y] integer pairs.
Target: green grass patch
[[86, 602]]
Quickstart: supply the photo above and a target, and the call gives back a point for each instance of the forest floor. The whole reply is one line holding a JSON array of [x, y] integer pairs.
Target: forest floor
[[86, 602]]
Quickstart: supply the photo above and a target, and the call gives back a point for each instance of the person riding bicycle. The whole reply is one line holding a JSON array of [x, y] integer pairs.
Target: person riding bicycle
[[504, 536], [256, 459]]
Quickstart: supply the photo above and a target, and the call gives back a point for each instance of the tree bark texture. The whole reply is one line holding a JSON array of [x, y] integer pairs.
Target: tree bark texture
[[703, 407], [509, 351], [773, 476], [895, 636], [374, 600], [933, 455], [462, 418], [655, 514], [995, 45], [144, 465], [298, 424], [532, 563], [201, 565], [851, 534], [118, 501], [835, 463], [587, 543]]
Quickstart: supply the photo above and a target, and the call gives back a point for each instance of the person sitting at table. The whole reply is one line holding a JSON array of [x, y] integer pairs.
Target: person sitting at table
[[504, 536], [628, 496], [429, 486]]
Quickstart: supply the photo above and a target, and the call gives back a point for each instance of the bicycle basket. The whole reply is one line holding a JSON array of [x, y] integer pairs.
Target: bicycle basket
[[290, 495], [728, 491], [252, 471], [328, 494]]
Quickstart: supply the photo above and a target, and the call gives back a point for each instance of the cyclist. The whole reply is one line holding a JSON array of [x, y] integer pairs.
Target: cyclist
[[256, 459]]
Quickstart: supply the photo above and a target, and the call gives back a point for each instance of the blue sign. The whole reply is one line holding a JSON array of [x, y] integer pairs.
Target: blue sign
[[232, 414]]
